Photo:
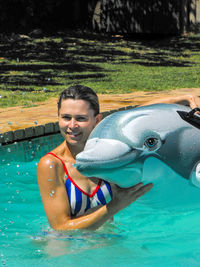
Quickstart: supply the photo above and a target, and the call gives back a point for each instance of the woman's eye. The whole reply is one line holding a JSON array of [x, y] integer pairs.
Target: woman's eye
[[151, 143], [81, 119], [67, 118]]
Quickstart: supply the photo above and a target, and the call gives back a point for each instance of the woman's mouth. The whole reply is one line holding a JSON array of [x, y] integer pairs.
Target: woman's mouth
[[73, 135]]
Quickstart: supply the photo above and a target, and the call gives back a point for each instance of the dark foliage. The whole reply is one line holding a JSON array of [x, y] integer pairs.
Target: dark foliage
[[25, 15]]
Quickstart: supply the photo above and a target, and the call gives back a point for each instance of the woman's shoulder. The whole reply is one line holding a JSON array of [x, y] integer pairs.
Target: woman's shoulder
[[49, 160], [54, 156], [50, 167]]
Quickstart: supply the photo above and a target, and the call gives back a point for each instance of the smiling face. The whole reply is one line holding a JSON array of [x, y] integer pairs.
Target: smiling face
[[76, 121]]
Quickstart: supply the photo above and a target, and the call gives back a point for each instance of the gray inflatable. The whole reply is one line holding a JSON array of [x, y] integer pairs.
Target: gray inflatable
[[158, 143]]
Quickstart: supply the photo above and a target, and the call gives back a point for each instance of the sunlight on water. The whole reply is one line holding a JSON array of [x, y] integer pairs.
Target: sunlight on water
[[138, 236]]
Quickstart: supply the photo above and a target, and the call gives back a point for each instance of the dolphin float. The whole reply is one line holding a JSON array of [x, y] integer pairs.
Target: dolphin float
[[159, 143]]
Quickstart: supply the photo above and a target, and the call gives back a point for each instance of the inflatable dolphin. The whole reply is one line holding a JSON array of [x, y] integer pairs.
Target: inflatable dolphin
[[158, 143]]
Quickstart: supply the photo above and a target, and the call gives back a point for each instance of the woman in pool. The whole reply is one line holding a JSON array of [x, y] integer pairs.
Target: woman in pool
[[72, 201]]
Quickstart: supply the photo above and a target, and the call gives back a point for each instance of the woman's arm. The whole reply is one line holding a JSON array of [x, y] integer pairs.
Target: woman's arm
[[56, 204], [192, 100]]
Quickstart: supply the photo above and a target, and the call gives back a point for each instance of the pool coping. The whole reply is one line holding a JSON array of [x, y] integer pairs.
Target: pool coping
[[42, 130]]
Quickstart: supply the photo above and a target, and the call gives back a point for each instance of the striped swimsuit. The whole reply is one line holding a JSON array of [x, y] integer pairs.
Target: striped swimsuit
[[81, 201]]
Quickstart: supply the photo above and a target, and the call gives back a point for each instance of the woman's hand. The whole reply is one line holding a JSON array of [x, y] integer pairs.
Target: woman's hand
[[123, 197], [194, 101]]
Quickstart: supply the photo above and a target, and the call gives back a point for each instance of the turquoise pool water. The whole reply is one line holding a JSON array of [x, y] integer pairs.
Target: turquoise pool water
[[138, 236]]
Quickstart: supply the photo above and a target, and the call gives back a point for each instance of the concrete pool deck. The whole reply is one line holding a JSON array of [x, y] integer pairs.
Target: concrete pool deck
[[18, 123]]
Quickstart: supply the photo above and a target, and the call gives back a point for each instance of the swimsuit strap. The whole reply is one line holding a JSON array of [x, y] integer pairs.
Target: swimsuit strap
[[68, 176], [50, 153]]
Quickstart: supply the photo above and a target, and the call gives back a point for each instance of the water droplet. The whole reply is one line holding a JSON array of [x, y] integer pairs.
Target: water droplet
[[52, 193], [9, 150]]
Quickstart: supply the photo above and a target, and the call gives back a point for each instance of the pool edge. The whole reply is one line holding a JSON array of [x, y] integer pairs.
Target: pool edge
[[41, 130]]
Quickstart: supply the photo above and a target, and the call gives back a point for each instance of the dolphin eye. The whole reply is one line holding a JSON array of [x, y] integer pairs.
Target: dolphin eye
[[151, 143]]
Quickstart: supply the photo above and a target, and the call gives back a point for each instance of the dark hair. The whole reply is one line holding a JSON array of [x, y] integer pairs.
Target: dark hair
[[82, 93]]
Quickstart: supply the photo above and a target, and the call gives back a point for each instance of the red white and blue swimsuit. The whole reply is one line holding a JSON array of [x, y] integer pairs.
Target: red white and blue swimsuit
[[81, 201]]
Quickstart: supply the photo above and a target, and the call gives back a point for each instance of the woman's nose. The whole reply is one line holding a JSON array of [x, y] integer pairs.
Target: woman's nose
[[73, 123]]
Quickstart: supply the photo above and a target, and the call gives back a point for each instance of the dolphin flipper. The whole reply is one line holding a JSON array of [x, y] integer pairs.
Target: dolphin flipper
[[195, 175]]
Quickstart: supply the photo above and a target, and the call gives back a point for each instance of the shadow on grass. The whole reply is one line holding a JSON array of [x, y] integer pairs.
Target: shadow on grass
[[41, 81], [75, 56]]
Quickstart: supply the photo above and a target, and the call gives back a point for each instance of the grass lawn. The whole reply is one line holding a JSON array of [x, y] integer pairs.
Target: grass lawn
[[35, 69]]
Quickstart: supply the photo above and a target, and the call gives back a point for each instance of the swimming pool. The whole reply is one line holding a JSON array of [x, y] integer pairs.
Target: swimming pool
[[138, 236]]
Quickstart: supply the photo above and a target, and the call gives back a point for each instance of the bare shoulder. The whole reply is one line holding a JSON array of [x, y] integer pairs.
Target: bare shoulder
[[49, 165], [45, 161]]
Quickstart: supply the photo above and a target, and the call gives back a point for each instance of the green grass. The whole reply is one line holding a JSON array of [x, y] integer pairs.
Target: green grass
[[34, 70]]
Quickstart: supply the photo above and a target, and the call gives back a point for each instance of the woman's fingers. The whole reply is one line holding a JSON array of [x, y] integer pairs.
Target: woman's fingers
[[141, 189], [194, 101]]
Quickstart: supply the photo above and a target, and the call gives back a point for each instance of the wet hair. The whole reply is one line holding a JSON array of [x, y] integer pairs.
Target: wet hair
[[80, 92]]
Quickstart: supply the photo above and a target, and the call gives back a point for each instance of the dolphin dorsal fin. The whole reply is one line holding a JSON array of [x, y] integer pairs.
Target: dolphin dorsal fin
[[191, 117]]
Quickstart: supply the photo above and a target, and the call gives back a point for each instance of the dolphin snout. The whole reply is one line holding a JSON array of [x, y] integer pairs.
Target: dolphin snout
[[103, 150]]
